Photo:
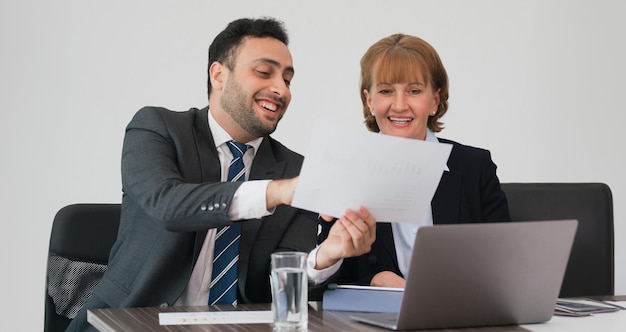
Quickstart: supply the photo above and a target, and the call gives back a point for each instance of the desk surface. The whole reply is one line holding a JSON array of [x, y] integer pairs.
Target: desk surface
[[146, 319]]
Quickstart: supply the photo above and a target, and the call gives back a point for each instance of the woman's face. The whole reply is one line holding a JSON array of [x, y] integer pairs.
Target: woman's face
[[402, 109]]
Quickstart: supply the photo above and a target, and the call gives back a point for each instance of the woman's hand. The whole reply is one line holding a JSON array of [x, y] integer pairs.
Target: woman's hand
[[387, 279]]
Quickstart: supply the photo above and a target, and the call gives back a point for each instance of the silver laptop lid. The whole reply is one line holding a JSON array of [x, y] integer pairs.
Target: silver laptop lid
[[485, 274]]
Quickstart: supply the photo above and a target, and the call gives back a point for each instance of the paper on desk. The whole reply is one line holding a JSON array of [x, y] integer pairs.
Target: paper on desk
[[394, 178], [215, 317]]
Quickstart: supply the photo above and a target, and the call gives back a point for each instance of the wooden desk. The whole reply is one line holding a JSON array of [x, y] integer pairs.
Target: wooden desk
[[146, 319]]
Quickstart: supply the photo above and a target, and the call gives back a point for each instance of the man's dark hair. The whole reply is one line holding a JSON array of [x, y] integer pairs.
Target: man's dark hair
[[224, 46]]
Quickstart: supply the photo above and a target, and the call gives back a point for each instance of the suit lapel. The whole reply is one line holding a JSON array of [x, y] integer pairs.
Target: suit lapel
[[264, 166], [209, 161], [447, 198]]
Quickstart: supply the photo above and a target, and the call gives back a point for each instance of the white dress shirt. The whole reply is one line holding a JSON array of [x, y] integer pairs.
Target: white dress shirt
[[404, 232]]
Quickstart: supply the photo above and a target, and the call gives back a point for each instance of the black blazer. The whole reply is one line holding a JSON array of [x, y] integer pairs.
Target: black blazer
[[469, 193], [172, 194]]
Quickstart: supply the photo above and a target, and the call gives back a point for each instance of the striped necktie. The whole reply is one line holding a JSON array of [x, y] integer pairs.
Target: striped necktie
[[226, 252]]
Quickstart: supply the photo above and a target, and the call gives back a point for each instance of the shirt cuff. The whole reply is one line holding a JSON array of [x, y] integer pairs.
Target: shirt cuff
[[249, 201], [319, 276]]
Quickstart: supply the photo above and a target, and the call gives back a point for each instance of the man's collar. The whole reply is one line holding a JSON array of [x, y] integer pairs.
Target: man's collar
[[220, 136]]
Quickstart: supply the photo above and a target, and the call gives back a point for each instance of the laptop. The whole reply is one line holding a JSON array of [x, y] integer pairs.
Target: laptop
[[468, 275]]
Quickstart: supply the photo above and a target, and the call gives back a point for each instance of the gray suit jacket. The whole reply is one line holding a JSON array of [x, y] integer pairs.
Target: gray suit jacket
[[172, 194]]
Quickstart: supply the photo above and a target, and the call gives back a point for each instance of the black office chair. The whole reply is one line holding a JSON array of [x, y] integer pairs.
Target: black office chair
[[81, 239], [590, 270]]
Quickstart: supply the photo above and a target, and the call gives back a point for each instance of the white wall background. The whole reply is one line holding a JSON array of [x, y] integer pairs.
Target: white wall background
[[539, 83]]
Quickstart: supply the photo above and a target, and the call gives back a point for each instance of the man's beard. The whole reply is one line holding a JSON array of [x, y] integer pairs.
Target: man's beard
[[233, 102]]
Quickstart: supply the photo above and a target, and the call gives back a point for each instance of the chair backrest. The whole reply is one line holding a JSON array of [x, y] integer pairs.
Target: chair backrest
[[81, 239], [590, 270]]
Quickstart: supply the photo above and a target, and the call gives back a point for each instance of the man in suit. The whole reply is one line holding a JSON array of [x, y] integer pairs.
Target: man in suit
[[176, 195]]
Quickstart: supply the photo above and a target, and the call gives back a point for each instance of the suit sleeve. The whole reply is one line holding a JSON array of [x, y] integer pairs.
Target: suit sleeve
[[155, 157]]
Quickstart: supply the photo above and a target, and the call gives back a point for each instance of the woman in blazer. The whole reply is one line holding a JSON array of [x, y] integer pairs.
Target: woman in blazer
[[404, 91]]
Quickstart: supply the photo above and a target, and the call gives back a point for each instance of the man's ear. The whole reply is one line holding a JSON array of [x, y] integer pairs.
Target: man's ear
[[216, 74]]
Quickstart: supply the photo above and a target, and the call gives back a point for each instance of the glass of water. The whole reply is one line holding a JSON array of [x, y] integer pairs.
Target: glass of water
[[289, 291]]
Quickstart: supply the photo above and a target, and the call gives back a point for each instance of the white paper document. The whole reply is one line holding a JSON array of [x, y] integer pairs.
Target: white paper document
[[394, 178], [215, 317]]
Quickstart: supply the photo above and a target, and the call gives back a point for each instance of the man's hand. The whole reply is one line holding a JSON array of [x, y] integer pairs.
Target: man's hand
[[351, 235], [280, 192]]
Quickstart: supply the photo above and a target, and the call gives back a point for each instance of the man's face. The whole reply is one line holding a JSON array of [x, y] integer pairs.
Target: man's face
[[256, 92]]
